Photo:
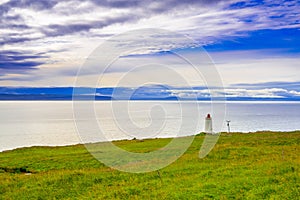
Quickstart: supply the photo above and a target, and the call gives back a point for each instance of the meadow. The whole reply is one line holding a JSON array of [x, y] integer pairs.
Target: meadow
[[261, 165]]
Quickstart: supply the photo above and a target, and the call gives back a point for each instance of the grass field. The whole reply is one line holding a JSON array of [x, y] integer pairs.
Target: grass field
[[262, 165]]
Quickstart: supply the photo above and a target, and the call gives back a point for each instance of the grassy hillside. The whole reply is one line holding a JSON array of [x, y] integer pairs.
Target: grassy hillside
[[263, 165]]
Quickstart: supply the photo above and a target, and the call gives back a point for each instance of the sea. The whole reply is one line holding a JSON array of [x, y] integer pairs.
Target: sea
[[58, 123]]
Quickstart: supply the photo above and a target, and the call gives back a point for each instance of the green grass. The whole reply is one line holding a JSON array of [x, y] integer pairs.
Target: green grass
[[263, 165]]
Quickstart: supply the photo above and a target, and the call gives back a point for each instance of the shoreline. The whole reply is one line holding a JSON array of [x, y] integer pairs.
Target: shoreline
[[142, 139]]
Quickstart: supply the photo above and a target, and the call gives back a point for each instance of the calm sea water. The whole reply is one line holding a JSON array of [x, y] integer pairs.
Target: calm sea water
[[25, 123]]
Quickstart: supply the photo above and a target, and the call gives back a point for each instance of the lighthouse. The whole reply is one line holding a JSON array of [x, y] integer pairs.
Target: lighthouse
[[208, 125]]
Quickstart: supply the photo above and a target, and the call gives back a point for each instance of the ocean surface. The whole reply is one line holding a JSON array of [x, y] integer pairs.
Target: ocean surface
[[55, 123]]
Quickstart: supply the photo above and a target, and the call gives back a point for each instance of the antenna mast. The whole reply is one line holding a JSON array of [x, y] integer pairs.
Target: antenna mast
[[228, 125]]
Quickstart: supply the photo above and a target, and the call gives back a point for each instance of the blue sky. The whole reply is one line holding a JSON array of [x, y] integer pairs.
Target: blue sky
[[255, 45]]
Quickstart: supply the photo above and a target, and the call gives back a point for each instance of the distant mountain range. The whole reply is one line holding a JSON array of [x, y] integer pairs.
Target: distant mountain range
[[153, 92]]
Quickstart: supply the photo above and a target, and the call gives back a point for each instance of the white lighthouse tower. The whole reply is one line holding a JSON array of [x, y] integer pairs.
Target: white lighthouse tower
[[208, 125]]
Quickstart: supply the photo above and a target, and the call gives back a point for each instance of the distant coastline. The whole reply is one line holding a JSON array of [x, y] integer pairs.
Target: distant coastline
[[108, 98], [145, 93]]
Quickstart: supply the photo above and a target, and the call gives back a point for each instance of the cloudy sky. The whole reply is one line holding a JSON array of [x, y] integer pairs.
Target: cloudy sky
[[254, 45]]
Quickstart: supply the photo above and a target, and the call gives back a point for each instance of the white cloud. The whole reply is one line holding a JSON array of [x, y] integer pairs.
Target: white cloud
[[234, 92], [293, 92], [256, 66], [205, 23]]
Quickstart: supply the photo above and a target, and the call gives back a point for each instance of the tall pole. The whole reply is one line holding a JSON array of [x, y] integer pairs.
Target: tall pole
[[228, 125]]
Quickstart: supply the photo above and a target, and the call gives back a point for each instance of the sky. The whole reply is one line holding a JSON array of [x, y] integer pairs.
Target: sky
[[254, 45]]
